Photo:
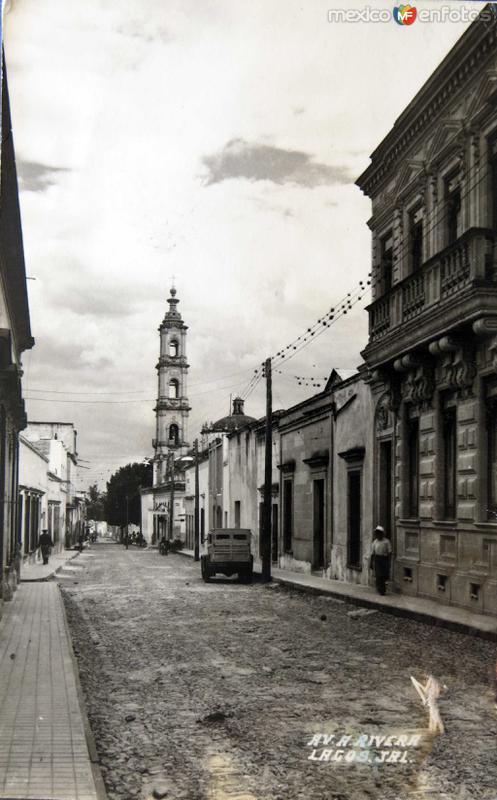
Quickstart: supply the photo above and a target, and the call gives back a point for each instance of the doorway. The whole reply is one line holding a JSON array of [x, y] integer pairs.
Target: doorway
[[354, 519], [274, 527], [318, 524], [385, 504]]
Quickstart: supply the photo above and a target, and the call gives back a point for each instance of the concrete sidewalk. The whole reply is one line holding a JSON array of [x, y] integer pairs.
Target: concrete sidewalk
[[44, 572], [402, 605], [45, 740]]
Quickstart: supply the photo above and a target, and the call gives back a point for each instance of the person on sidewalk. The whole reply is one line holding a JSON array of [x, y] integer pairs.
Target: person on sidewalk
[[381, 550], [45, 544]]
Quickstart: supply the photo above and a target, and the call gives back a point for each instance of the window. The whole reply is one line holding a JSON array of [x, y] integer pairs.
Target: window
[[386, 265], [493, 173], [408, 574], [173, 389], [450, 464], [287, 516], [413, 467], [237, 513], [453, 208], [492, 462], [173, 434], [416, 239], [173, 348]]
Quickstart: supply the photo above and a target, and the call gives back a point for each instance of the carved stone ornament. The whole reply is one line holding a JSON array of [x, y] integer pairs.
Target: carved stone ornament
[[487, 326], [492, 352], [382, 416], [464, 370], [418, 385]]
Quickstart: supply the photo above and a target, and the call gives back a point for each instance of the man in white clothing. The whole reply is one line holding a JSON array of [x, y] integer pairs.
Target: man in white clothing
[[381, 550]]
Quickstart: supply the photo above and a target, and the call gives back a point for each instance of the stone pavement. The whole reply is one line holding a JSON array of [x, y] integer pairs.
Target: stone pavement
[[44, 749], [420, 608]]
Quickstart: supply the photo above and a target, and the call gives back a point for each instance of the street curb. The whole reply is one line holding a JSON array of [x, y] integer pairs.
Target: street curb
[[90, 741], [396, 611], [185, 553], [51, 575]]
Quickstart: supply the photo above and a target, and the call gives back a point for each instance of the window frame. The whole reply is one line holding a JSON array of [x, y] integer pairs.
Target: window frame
[[288, 520], [453, 200], [416, 231], [386, 265], [412, 494]]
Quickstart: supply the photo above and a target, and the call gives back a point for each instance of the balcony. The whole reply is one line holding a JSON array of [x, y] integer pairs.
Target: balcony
[[454, 287], [172, 403]]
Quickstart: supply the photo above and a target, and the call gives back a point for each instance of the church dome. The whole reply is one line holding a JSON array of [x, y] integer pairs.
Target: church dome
[[237, 419]]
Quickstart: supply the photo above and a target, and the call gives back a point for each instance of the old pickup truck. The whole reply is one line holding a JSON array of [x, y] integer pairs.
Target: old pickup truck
[[228, 553]]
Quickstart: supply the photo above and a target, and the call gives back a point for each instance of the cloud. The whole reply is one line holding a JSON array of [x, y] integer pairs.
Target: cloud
[[36, 177], [100, 299], [146, 30], [261, 162]]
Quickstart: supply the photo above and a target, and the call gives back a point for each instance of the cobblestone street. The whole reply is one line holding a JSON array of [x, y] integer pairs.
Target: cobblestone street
[[207, 691]]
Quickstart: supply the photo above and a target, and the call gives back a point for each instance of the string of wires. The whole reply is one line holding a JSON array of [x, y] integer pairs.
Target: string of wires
[[436, 218], [313, 332]]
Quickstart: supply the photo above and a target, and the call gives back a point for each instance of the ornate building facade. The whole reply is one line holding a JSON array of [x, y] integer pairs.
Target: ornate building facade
[[432, 350]]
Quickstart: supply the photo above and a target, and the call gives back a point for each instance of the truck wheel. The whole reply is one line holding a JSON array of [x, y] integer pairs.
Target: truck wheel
[[204, 569], [245, 574]]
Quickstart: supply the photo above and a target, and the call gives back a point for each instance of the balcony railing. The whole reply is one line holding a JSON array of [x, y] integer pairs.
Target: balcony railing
[[447, 274]]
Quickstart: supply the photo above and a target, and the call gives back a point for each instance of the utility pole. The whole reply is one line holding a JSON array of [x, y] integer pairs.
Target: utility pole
[[127, 522], [268, 477], [197, 505], [171, 500]]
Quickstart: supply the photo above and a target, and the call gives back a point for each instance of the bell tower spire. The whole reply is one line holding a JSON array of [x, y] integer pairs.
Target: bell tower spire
[[172, 407]]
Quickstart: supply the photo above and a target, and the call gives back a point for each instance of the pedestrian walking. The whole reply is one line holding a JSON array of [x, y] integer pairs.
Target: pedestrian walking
[[381, 550], [45, 544], [81, 541]]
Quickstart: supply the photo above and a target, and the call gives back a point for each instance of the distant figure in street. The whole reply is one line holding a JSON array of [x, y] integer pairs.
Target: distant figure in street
[[45, 544], [81, 541], [381, 550], [163, 546]]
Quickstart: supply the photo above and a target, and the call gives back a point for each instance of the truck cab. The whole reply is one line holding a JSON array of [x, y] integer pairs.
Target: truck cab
[[228, 553]]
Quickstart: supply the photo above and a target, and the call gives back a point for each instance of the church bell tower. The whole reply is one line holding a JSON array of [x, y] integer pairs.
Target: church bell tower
[[172, 403]]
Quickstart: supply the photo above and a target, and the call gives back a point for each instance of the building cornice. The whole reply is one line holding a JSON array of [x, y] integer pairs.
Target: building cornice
[[463, 62]]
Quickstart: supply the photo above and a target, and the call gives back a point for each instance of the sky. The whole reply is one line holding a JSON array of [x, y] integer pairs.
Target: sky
[[214, 141]]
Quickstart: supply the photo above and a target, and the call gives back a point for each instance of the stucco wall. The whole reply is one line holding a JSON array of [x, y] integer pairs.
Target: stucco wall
[[353, 430]]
